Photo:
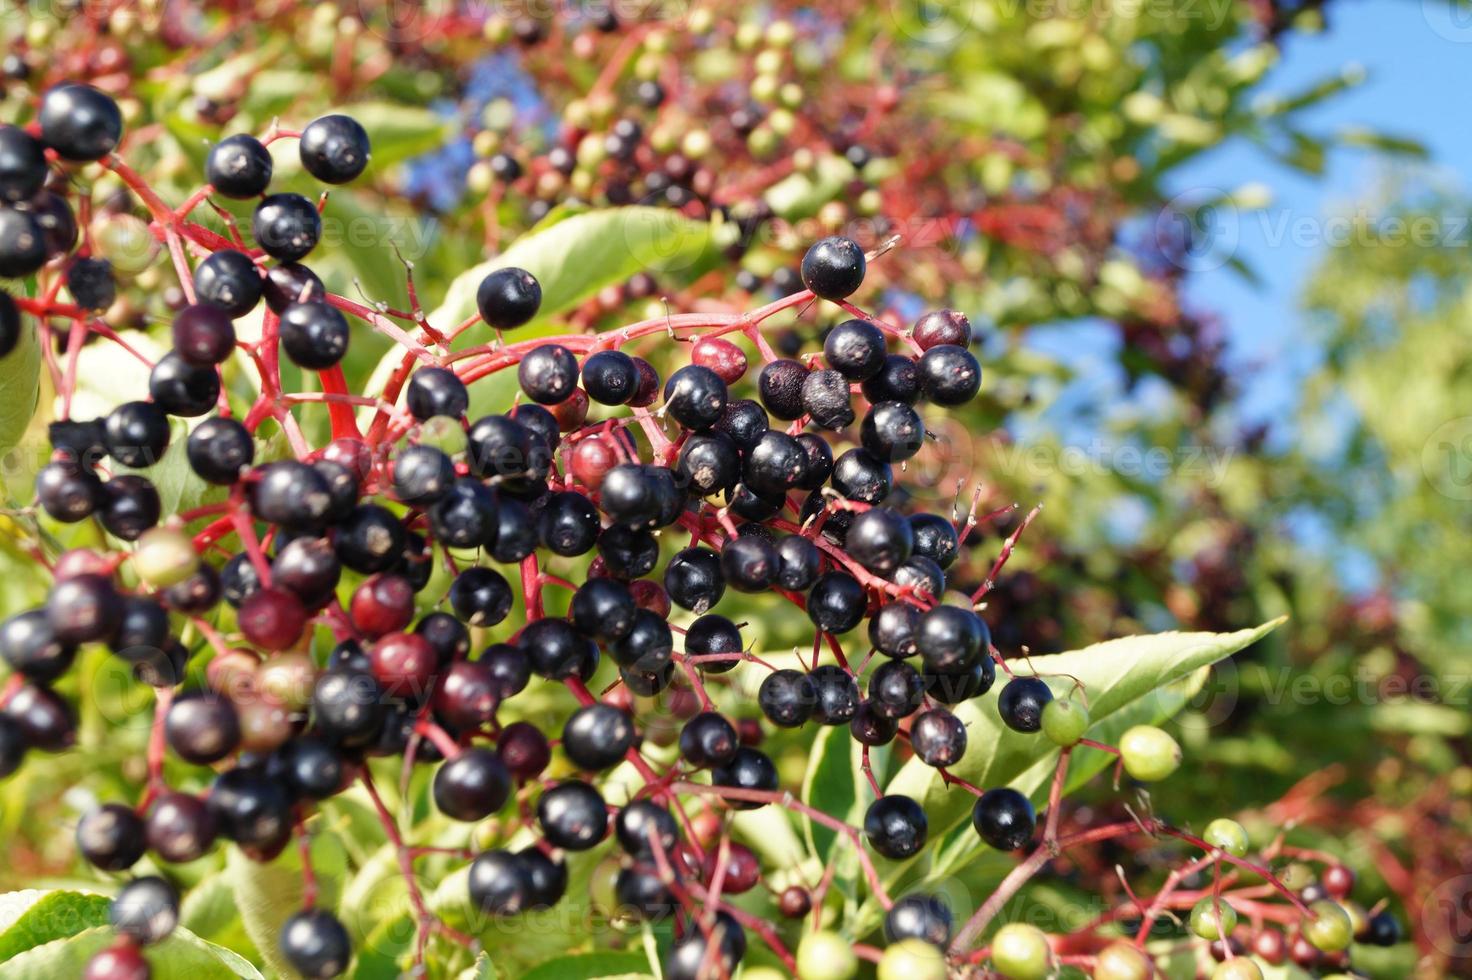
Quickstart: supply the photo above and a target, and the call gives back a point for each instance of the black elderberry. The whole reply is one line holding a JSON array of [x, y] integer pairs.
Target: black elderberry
[[508, 298], [833, 267], [780, 386], [1004, 818], [181, 388], [314, 334], [436, 391], [896, 826], [229, 280], [239, 166], [836, 602], [79, 122], [287, 227], [334, 149]]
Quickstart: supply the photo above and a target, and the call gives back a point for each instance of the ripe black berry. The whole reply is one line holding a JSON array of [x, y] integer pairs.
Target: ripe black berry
[[935, 538], [508, 298], [780, 386], [68, 492], [289, 493], [693, 579], [938, 737], [1004, 818], [145, 910], [289, 283], [713, 635], [436, 391], [603, 609], [202, 728], [472, 786], [12, 745], [314, 335], [422, 475], [857, 475], [239, 166], [137, 433], [892, 431], [648, 646], [950, 638], [568, 523], [750, 564], [22, 246], [347, 706], [334, 149], [837, 695], [695, 397], [516, 532], [29, 647], [896, 689], [500, 884], [775, 464], [1021, 703], [709, 462], [640, 824], [708, 740], [183, 389], [949, 375], [610, 377], [548, 374], [311, 766], [55, 220], [919, 916], [22, 165], [251, 808], [465, 517], [130, 505], [744, 421], [597, 736], [896, 826], [316, 944], [698, 955], [855, 349], [825, 399], [880, 539], [573, 816], [10, 325], [287, 227], [111, 837], [557, 651], [229, 280], [91, 283], [798, 563], [203, 334], [84, 609], [641, 892], [79, 122], [871, 728], [833, 267], [892, 629], [836, 602], [546, 878], [897, 380], [749, 769], [219, 449], [180, 827], [787, 698]]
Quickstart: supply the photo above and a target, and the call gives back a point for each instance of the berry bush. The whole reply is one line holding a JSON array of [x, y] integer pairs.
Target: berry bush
[[623, 611]]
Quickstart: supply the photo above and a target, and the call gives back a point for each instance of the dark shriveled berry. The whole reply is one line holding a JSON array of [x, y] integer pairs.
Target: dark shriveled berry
[[780, 386]]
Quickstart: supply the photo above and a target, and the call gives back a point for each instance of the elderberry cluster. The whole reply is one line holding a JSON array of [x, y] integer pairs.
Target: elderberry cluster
[[782, 479]]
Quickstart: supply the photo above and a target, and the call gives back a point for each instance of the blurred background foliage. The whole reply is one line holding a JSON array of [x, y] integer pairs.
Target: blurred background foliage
[[1025, 152]]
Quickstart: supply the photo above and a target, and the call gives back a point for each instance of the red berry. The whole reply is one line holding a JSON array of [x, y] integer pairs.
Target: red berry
[[572, 411], [1338, 881], [651, 596], [795, 902], [121, 962], [272, 619], [592, 458], [721, 356], [383, 604], [743, 869], [403, 663]]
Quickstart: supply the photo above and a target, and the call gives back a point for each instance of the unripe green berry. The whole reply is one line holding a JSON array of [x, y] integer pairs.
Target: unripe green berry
[[648, 66], [826, 955], [700, 21], [764, 88], [1021, 952], [910, 959], [1065, 721], [1149, 753], [164, 557], [1213, 918], [1228, 836], [748, 35], [1328, 927], [762, 142], [1123, 960], [792, 95], [762, 973], [782, 122], [780, 33], [1237, 968], [591, 151], [443, 433], [696, 144], [768, 62]]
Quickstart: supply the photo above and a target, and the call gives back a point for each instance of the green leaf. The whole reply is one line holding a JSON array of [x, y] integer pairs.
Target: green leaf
[[483, 969], [182, 956], [33, 917], [20, 385], [588, 966], [397, 132], [832, 786], [802, 194]]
